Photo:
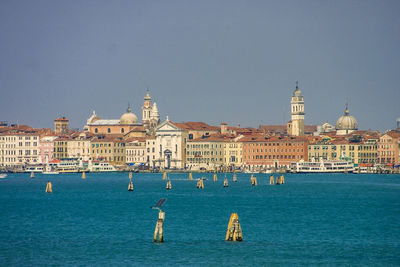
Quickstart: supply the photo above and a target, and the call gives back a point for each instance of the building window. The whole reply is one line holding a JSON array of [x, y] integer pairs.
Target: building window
[[108, 130], [96, 130]]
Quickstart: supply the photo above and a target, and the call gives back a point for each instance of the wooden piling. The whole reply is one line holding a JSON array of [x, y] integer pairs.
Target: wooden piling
[[271, 180], [49, 188], [234, 231], [159, 227]]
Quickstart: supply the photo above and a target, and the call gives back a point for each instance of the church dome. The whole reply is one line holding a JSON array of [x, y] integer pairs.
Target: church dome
[[346, 122], [128, 117]]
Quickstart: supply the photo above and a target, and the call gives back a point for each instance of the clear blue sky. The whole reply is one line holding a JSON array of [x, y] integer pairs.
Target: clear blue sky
[[212, 61]]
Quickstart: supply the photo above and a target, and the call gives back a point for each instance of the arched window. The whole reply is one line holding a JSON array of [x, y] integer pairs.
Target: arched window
[[122, 130], [108, 130], [96, 130]]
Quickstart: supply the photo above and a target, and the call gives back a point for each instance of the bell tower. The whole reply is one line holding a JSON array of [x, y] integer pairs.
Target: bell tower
[[297, 110], [146, 109]]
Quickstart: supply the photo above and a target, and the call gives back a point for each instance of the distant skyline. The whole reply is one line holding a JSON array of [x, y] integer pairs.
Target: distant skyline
[[213, 61]]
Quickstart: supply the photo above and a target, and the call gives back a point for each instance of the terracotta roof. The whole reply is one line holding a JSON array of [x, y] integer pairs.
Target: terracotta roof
[[61, 119], [195, 126], [283, 128], [213, 138], [263, 138], [393, 134]]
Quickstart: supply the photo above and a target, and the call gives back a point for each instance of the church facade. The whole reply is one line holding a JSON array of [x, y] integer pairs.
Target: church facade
[[170, 146]]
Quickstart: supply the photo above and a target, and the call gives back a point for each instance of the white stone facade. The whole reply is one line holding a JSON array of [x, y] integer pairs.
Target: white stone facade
[[170, 146], [19, 149]]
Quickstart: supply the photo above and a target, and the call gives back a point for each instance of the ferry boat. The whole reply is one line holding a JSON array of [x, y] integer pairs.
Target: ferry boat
[[322, 166], [50, 170], [101, 166], [67, 165], [34, 168]]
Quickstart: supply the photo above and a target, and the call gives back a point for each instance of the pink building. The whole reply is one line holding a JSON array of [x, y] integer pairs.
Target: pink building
[[47, 148], [388, 148]]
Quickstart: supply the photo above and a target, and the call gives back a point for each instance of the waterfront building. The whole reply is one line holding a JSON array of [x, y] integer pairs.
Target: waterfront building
[[61, 147], [61, 125], [170, 146], [368, 151], [19, 148], [151, 151], [357, 148], [323, 148], [296, 124], [106, 148], [206, 152], [78, 146], [233, 152], [346, 124], [135, 150], [46, 148], [273, 151], [389, 148]]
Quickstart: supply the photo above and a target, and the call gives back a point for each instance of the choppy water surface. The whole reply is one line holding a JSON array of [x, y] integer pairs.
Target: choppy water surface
[[314, 219]]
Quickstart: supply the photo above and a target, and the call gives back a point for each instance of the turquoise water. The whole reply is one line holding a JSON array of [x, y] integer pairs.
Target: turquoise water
[[314, 219]]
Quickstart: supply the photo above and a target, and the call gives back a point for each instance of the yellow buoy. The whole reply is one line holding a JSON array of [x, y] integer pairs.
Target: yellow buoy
[[190, 176], [32, 175], [49, 188], [164, 177], [234, 231], [282, 179], [83, 175], [130, 175], [271, 180]]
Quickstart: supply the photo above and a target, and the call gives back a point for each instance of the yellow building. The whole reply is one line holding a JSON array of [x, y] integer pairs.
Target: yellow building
[[233, 152], [61, 148], [79, 147], [108, 149], [368, 151], [206, 152], [356, 150]]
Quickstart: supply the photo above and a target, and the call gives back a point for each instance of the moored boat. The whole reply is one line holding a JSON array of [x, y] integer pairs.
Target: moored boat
[[337, 166]]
